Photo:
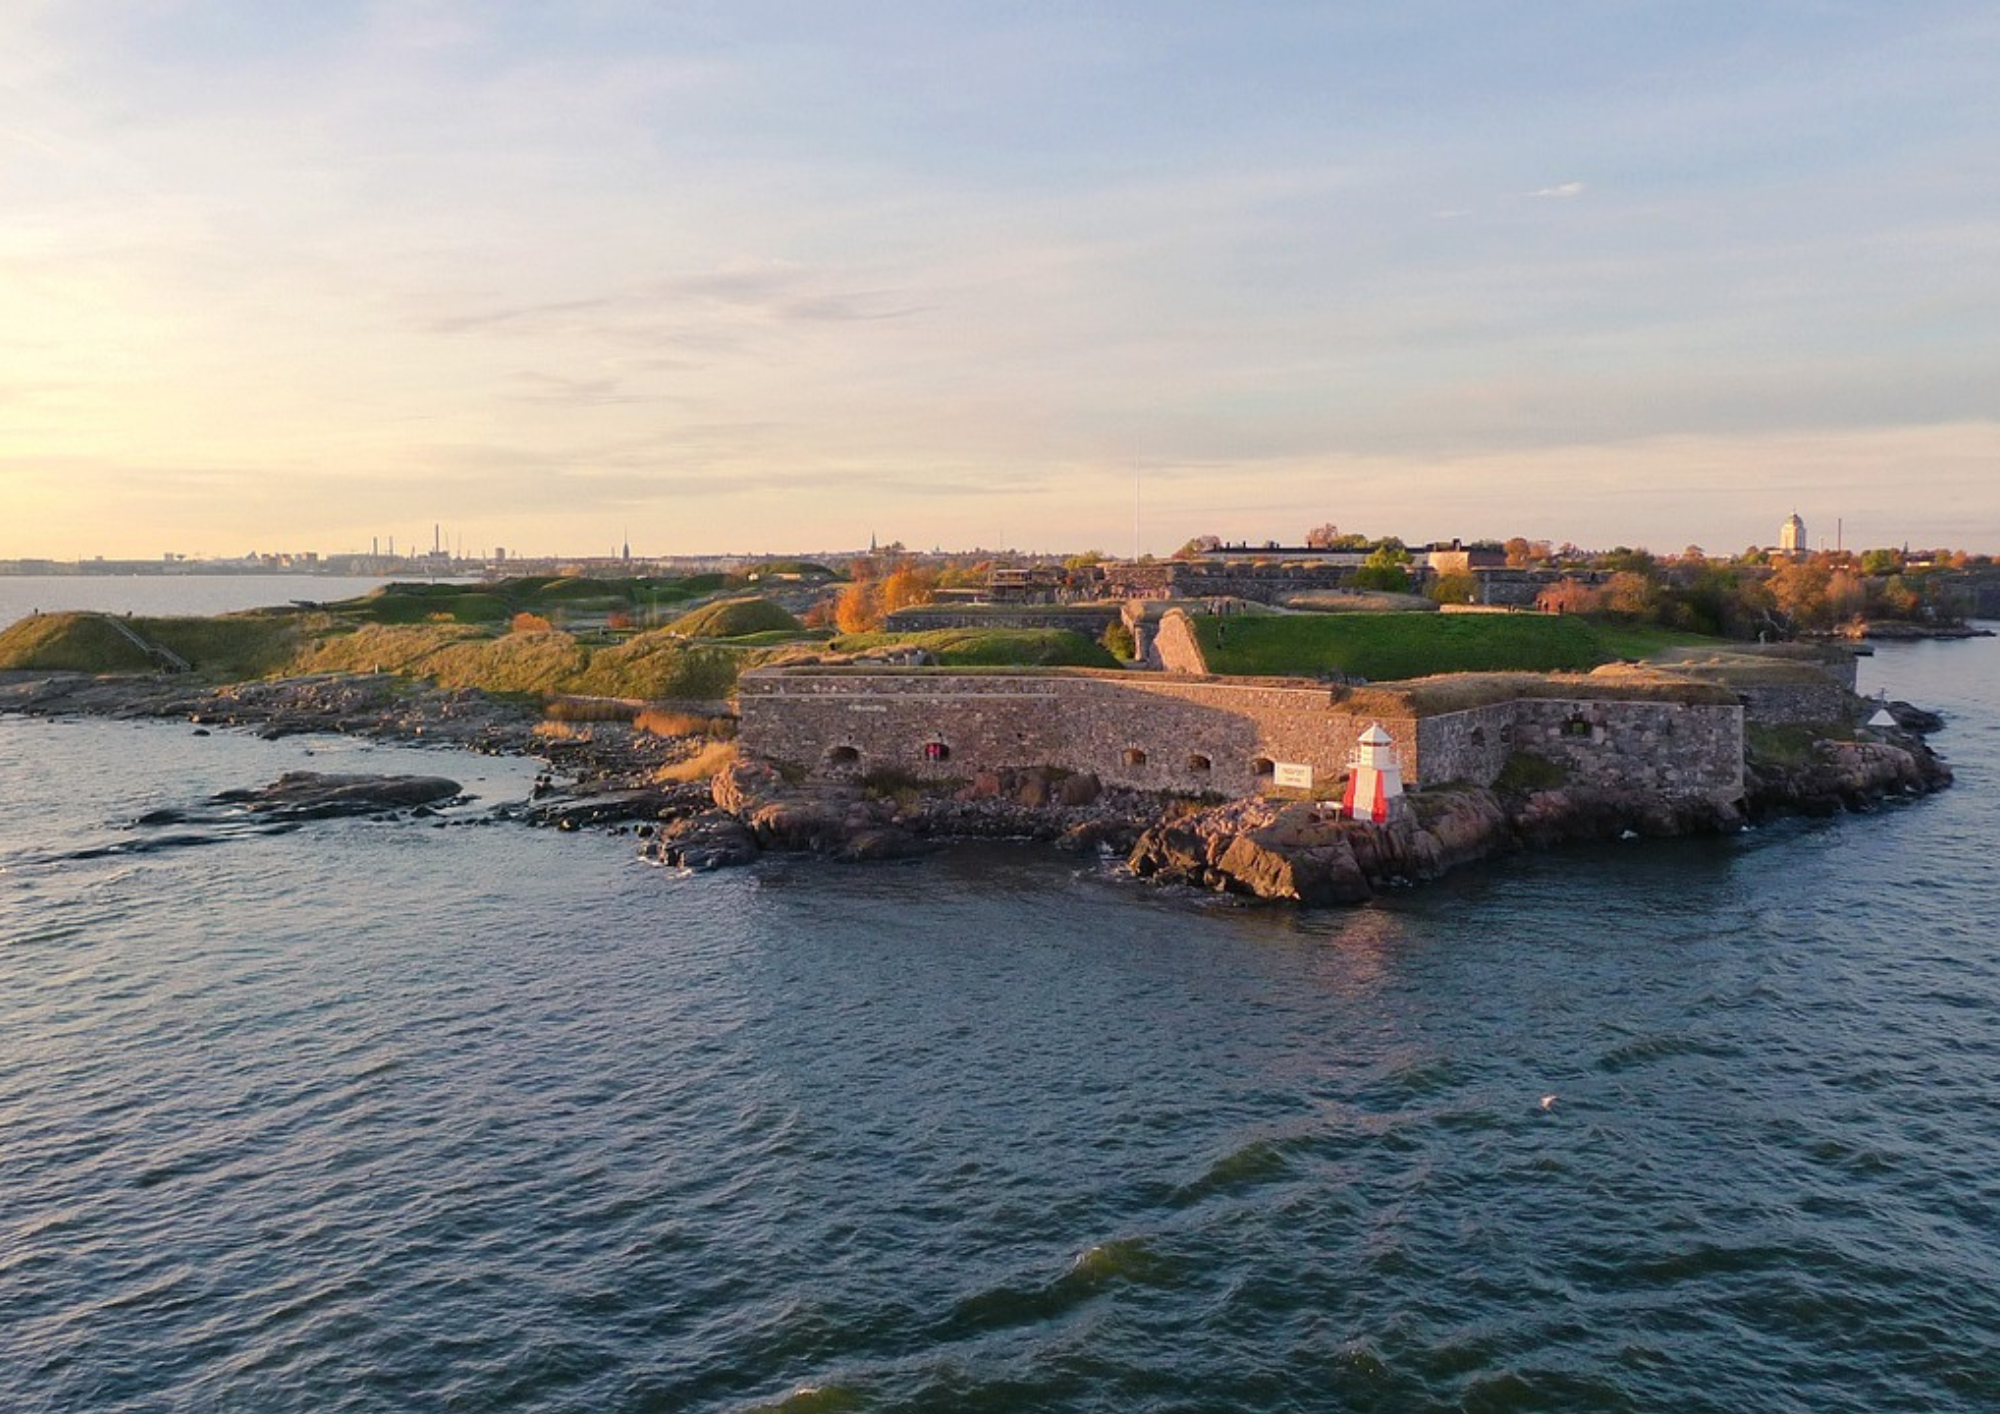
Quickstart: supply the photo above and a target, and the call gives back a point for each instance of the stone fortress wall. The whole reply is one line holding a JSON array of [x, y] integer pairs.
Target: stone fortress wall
[[1089, 620], [1158, 732]]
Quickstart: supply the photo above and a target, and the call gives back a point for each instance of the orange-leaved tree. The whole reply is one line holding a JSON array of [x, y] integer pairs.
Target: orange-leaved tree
[[857, 610], [907, 585]]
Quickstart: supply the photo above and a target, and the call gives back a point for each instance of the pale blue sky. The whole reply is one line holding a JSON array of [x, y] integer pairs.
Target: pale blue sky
[[779, 276]]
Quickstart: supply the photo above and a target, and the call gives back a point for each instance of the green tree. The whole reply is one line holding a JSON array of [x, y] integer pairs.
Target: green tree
[[1386, 568], [1454, 589], [1627, 560]]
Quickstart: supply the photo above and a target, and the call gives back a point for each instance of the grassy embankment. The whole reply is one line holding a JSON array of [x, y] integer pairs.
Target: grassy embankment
[[1393, 647], [461, 636], [233, 646]]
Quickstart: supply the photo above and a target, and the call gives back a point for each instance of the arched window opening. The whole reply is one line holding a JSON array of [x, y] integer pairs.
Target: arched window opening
[[936, 751], [1263, 766], [1198, 762], [1134, 756], [844, 756]]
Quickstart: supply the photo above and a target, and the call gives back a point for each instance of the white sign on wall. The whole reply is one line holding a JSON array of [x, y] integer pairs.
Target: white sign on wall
[[1292, 773]]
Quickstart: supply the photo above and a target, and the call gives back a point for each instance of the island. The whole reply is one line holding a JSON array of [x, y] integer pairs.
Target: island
[[1217, 749]]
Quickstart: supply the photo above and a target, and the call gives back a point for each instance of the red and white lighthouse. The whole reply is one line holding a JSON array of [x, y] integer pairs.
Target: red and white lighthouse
[[1374, 780]]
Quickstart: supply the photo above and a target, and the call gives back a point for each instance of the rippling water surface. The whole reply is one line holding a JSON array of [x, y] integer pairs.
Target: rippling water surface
[[381, 1116], [21, 595]]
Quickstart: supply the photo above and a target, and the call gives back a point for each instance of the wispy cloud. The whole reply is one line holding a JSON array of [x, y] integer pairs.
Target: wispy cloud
[[963, 266]]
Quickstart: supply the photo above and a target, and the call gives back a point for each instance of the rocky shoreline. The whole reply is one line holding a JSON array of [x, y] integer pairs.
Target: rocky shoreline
[[1901, 630], [607, 775]]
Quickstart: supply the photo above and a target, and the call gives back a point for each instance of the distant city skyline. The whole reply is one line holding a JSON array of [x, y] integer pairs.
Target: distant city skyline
[[771, 276]]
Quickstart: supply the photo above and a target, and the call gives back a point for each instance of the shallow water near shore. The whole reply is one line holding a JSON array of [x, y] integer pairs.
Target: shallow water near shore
[[374, 1115]]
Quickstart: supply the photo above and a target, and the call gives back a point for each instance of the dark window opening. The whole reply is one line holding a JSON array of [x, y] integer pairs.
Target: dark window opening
[[1198, 762], [1263, 766], [1134, 756], [843, 756]]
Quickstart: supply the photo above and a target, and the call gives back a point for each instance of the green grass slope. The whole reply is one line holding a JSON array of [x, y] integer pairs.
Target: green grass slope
[[1388, 647], [735, 618], [229, 646]]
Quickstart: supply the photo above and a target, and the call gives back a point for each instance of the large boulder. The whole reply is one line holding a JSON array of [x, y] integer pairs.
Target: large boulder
[[1258, 865], [711, 840], [316, 795], [1173, 853]]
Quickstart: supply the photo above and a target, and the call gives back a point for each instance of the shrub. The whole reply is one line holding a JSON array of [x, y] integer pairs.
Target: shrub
[[525, 622], [1525, 772], [1454, 589]]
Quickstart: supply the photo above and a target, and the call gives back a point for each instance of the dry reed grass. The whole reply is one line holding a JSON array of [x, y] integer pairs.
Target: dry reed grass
[[661, 721], [711, 758]]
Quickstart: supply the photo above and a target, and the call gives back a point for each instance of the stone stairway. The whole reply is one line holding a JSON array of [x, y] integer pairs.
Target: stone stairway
[[165, 657]]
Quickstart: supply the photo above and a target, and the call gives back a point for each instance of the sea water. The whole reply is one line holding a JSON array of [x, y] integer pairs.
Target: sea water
[[376, 1115]]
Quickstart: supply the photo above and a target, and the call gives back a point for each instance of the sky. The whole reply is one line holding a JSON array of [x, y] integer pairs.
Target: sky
[[763, 277]]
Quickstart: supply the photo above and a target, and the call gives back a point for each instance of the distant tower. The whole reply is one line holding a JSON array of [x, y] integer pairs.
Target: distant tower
[[1374, 780], [1792, 535]]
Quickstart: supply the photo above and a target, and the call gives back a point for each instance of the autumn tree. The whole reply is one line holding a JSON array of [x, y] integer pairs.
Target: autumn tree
[[906, 585], [1631, 594], [1568, 596], [858, 610], [1846, 595], [964, 574], [1799, 592]]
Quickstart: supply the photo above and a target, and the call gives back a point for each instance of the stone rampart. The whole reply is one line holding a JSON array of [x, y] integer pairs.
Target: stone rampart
[[1160, 732], [1143, 731], [1784, 704], [1090, 621], [1264, 582], [1676, 748]]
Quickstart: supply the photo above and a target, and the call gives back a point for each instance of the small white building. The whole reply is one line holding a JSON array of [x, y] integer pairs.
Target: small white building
[[1374, 779], [1792, 535]]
